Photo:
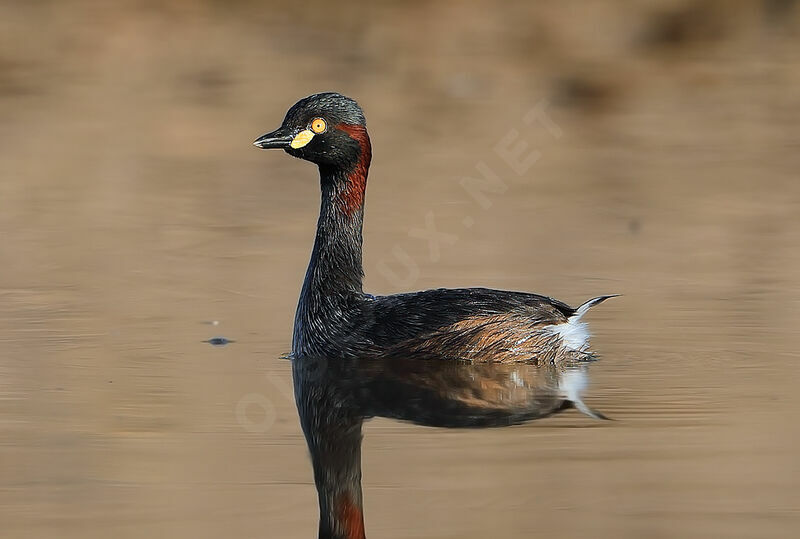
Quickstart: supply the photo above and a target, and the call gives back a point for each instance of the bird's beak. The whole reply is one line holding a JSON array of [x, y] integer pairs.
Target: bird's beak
[[280, 138]]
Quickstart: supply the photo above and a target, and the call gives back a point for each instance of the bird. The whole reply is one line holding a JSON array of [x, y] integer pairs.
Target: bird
[[336, 318]]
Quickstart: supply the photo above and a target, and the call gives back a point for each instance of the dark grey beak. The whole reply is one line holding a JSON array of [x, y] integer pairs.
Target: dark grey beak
[[280, 138]]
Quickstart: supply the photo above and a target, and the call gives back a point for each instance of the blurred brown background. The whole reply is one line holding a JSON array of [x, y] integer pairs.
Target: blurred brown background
[[136, 221]]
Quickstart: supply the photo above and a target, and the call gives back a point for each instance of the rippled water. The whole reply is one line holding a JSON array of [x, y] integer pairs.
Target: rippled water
[[138, 223]]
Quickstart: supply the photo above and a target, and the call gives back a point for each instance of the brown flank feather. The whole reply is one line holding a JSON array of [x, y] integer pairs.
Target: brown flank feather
[[500, 338]]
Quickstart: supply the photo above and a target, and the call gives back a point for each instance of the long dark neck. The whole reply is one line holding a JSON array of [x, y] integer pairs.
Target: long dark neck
[[335, 272], [335, 266]]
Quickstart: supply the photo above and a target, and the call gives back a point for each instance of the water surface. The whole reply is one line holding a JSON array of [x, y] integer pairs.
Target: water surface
[[135, 214]]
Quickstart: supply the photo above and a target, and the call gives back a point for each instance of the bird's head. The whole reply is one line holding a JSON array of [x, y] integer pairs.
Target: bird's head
[[328, 129]]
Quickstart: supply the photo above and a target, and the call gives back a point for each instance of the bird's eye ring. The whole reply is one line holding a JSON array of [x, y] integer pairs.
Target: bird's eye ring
[[318, 125]]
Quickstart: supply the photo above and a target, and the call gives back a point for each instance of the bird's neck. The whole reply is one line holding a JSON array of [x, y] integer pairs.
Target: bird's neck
[[334, 276], [335, 266]]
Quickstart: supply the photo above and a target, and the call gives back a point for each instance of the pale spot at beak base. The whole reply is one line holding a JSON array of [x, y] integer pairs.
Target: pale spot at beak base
[[302, 138]]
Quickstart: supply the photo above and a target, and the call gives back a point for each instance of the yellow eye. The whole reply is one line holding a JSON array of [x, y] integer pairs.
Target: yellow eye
[[318, 125]]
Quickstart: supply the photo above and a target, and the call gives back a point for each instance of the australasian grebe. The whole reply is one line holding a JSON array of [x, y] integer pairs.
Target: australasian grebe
[[336, 318]]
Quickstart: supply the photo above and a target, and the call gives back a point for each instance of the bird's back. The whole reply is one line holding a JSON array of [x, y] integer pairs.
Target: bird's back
[[475, 324]]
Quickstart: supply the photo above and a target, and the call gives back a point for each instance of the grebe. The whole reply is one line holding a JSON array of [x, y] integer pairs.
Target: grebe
[[336, 318]]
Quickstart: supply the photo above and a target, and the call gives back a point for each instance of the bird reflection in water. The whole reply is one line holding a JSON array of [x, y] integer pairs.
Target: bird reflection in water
[[334, 396]]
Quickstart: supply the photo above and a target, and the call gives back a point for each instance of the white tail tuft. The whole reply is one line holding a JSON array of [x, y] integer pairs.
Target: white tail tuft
[[574, 333]]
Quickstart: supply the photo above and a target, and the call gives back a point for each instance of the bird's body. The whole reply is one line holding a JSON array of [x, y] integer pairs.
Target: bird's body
[[336, 318], [475, 324]]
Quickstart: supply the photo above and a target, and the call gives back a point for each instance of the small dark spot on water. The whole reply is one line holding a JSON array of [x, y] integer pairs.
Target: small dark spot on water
[[219, 341], [585, 91], [634, 226]]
